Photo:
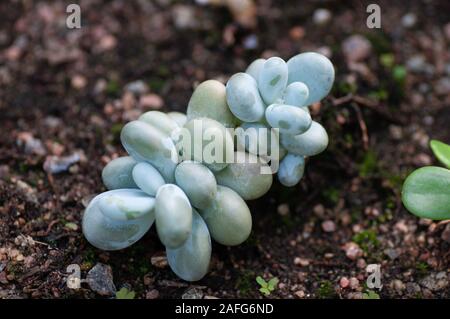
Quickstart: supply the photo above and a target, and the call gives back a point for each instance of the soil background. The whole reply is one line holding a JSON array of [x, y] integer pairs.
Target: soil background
[[66, 93]]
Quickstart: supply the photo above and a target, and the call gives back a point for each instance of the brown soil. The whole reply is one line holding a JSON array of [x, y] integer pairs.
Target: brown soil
[[66, 89]]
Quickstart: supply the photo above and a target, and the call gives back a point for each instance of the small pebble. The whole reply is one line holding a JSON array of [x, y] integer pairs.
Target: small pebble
[[356, 48], [159, 261], [391, 253], [435, 281], [184, 17], [401, 226], [409, 20], [416, 63], [250, 42], [325, 50], [319, 210], [398, 285], [100, 279], [55, 164], [328, 226], [30, 144], [301, 262], [442, 87], [344, 282], [352, 250], [422, 159], [322, 16], [283, 209], [354, 283], [447, 30], [297, 33], [78, 82], [396, 132], [361, 263], [192, 293], [445, 236], [151, 101], [152, 294], [138, 87]]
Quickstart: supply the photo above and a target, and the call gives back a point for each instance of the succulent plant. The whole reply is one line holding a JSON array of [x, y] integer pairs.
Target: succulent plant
[[167, 181]]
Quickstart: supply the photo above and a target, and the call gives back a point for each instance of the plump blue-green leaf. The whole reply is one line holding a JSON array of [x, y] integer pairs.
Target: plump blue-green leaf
[[441, 151], [426, 192], [191, 261], [115, 226]]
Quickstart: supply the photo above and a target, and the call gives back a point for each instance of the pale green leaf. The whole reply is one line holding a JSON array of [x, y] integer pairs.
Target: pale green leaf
[[265, 291], [261, 281], [273, 283], [441, 151], [71, 226], [124, 293], [426, 193], [369, 294]]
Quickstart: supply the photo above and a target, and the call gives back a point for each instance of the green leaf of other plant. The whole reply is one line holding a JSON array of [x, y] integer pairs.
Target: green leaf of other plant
[[399, 73], [441, 151], [369, 294], [273, 283], [261, 282], [267, 287], [426, 192], [124, 293], [265, 291]]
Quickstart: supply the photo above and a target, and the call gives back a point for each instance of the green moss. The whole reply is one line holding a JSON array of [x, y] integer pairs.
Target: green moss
[[156, 84], [368, 165], [143, 269], [380, 42], [140, 265], [23, 167], [422, 268], [348, 139], [89, 257], [390, 202], [367, 240], [380, 95], [395, 180], [399, 74], [213, 38], [13, 269], [163, 71], [115, 130], [331, 194], [387, 60], [245, 283], [252, 240], [326, 290], [288, 222], [356, 214], [112, 88], [344, 88]]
